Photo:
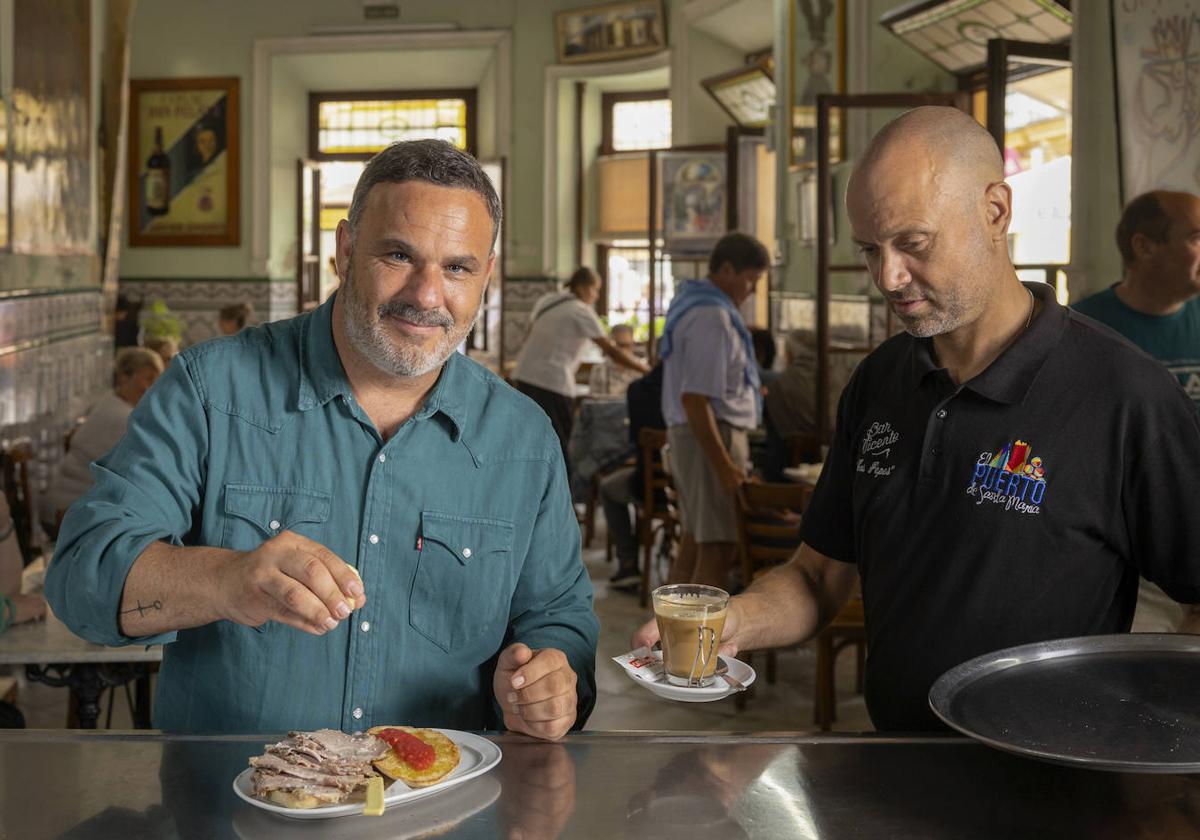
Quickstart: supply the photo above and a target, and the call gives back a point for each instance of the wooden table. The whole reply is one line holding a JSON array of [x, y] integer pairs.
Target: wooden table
[[54, 655]]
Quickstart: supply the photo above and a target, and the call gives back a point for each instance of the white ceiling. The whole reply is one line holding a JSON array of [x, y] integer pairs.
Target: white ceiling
[[748, 25], [386, 70]]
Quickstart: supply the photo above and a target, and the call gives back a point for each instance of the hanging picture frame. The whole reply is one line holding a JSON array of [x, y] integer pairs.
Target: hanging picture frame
[[183, 162], [1156, 53], [818, 65], [610, 31], [693, 187]]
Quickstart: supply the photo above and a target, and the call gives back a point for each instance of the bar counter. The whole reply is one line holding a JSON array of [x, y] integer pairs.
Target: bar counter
[[74, 784]]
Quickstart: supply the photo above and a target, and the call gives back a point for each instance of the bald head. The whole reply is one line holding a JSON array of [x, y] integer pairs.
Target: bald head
[[955, 149]]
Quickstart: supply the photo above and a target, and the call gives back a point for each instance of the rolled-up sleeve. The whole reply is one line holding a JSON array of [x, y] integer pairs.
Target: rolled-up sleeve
[[147, 489], [552, 604]]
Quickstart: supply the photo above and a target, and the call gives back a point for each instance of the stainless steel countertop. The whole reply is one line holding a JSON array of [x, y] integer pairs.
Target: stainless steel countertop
[[662, 785]]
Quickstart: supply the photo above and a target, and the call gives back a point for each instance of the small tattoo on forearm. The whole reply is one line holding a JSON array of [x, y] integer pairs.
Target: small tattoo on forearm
[[141, 609]]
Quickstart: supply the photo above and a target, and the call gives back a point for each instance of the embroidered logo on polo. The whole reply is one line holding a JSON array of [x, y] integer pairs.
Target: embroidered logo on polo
[[875, 452], [1013, 477]]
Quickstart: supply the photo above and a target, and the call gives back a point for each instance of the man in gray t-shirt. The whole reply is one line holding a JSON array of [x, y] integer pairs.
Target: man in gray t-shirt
[[711, 395]]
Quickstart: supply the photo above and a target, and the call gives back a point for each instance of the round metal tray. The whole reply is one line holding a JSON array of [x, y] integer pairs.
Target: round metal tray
[[1126, 702]]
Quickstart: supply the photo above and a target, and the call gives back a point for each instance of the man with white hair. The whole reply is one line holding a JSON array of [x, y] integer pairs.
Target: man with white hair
[[337, 520], [1003, 471], [134, 371]]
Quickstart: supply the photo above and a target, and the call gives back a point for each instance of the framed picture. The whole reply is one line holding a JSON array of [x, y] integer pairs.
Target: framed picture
[[807, 209], [183, 164], [746, 94], [1158, 124], [818, 65], [611, 31], [693, 186]]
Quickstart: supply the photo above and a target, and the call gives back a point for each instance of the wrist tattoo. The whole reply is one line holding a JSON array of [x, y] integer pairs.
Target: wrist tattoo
[[141, 609]]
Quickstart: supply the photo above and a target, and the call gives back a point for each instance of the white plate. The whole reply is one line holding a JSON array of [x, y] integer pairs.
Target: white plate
[[477, 756], [423, 818], [718, 690]]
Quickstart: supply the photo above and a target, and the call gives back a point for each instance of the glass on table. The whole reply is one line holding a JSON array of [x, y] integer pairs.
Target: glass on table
[[690, 618]]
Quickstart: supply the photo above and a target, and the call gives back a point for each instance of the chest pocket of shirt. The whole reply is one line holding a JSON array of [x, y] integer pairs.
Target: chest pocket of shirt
[[463, 583], [254, 514]]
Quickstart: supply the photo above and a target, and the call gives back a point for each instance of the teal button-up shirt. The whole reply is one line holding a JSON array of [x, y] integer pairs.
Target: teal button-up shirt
[[460, 525]]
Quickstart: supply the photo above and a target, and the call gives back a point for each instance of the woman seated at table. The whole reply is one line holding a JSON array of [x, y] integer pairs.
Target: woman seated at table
[[15, 608]]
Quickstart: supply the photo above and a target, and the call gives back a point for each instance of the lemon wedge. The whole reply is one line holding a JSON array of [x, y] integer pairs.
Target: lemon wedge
[[374, 807]]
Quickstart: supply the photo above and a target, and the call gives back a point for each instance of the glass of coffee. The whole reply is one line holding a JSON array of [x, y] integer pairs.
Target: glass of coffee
[[691, 618]]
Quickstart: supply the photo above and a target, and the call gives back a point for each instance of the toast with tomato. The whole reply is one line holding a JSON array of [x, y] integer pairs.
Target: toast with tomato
[[417, 757]]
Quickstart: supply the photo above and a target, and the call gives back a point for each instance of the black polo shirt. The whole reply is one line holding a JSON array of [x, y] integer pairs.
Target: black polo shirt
[[1016, 508]]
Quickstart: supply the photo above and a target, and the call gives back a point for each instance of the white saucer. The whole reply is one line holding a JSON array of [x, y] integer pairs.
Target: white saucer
[[717, 690]]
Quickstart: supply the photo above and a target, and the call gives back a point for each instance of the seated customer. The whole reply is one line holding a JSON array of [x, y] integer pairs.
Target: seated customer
[[789, 405], [609, 379], [166, 348], [764, 354], [15, 608], [232, 319], [623, 487], [136, 369]]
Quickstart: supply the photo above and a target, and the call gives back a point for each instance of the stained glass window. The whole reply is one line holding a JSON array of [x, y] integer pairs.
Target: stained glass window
[[364, 126]]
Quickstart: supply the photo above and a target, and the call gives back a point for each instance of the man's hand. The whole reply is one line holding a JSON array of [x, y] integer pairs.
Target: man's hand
[[536, 690], [290, 579], [731, 477], [647, 635]]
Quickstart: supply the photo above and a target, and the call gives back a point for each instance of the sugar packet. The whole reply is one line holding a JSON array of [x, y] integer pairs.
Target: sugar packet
[[642, 664]]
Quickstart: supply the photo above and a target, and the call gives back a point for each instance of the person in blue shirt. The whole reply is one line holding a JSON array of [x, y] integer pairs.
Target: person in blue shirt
[[1156, 304], [337, 520]]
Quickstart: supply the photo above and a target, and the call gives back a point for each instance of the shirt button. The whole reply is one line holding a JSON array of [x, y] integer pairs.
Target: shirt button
[[357, 714], [466, 552], [382, 458], [936, 451], [941, 415], [274, 524], [365, 626], [373, 539]]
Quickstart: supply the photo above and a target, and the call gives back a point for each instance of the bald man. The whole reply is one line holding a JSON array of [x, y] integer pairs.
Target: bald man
[[1002, 471], [1156, 305]]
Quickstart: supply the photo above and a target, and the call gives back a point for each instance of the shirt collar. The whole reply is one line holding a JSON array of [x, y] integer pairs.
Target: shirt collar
[[1008, 378], [322, 377]]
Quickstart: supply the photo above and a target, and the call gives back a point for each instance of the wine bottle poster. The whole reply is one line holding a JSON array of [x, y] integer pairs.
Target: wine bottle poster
[[183, 162]]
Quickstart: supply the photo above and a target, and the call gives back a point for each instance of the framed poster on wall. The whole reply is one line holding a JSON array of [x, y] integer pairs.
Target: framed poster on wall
[[1156, 59], [693, 187], [183, 162]]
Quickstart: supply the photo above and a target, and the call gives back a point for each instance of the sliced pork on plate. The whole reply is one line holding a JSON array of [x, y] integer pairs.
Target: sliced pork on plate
[[311, 769]]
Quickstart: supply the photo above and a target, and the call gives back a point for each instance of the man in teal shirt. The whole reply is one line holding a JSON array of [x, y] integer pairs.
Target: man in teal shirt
[[1156, 305], [338, 520]]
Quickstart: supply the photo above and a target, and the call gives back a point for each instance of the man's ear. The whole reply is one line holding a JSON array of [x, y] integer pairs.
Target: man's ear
[[1142, 245], [345, 240], [998, 209]]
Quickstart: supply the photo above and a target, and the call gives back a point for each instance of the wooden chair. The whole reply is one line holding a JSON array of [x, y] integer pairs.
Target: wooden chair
[[657, 513], [768, 519], [16, 462], [848, 628]]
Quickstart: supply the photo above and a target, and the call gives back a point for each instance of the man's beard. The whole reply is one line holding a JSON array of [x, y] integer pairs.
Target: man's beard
[[937, 321], [365, 330]]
